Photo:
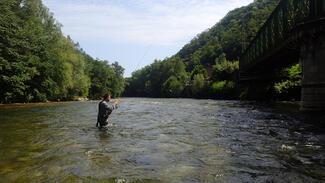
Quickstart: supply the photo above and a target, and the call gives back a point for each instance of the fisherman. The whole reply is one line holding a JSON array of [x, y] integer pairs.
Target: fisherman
[[105, 108]]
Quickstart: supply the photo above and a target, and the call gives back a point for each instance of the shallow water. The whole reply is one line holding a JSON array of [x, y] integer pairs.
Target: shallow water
[[158, 140]]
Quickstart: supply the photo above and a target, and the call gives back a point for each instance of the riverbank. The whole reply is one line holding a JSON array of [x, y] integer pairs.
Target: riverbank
[[23, 105], [35, 104], [47, 103], [288, 106]]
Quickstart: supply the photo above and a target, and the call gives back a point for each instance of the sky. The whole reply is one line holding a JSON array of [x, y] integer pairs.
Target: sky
[[136, 32]]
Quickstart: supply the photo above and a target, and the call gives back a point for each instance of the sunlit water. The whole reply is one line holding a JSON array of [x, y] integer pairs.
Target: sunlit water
[[158, 140]]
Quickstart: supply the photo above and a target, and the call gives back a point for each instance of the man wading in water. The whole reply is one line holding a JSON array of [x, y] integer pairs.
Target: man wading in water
[[105, 108]]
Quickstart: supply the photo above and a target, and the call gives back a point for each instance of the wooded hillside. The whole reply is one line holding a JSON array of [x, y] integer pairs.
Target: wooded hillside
[[207, 67]]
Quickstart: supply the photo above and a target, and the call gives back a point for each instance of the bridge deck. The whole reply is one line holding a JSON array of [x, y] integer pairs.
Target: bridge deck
[[278, 41]]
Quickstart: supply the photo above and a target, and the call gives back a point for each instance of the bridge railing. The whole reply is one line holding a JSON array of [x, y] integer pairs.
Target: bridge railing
[[286, 16]]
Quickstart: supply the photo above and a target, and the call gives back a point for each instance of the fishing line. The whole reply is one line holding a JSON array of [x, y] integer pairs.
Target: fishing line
[[141, 58]]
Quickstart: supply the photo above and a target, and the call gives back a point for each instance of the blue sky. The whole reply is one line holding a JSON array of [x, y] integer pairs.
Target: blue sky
[[135, 32]]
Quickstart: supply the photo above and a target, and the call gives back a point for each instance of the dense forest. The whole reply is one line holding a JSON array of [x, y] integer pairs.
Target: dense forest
[[208, 66], [39, 63]]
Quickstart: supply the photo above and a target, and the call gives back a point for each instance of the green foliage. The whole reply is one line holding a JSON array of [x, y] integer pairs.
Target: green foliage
[[173, 87], [118, 83], [106, 78], [289, 87], [101, 76], [222, 89], [198, 84], [147, 81], [232, 33], [38, 63], [225, 70], [217, 87], [294, 72], [211, 57], [166, 78]]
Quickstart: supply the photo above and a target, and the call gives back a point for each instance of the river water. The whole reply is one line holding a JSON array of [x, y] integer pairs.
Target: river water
[[159, 140]]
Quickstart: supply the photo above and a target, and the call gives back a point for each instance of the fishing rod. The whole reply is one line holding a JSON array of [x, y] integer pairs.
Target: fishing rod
[[143, 56]]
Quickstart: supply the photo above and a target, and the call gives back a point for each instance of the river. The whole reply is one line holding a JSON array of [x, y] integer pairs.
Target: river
[[159, 140]]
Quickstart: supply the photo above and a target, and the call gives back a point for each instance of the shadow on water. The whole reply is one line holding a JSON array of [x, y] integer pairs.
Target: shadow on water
[[300, 139], [161, 140]]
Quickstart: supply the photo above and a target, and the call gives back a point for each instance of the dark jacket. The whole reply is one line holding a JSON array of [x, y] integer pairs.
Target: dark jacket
[[104, 110]]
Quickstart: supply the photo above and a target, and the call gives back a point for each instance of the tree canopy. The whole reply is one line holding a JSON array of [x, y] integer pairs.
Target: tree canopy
[[206, 67], [39, 63]]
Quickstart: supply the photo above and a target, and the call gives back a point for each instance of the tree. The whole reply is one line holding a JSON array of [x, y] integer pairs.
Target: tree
[[118, 82], [198, 84], [225, 70], [173, 87], [211, 58], [39, 63], [289, 88]]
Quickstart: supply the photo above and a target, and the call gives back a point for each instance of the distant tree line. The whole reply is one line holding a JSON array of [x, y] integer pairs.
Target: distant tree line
[[39, 63], [208, 66]]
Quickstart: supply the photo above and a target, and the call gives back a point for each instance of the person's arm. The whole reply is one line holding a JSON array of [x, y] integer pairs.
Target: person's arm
[[115, 103]]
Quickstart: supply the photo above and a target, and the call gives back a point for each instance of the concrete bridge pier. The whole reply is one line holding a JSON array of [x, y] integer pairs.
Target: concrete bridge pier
[[313, 82]]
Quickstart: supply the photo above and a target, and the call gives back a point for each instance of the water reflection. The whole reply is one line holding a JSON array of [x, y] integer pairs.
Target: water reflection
[[159, 140], [104, 137]]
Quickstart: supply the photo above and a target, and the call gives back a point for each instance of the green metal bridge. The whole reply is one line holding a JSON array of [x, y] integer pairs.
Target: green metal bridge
[[293, 32]]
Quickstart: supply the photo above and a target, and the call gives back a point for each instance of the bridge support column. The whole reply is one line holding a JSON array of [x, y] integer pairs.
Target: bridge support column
[[313, 83]]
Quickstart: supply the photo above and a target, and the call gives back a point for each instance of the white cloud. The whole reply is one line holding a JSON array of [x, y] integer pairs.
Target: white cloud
[[160, 22]]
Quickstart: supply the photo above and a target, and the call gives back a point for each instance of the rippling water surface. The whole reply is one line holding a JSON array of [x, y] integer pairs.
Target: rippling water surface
[[158, 140]]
